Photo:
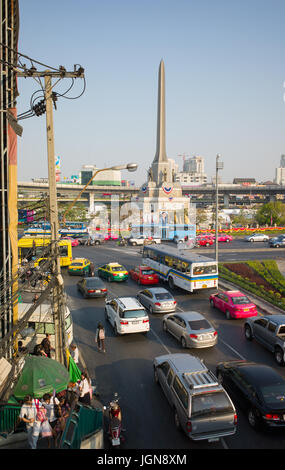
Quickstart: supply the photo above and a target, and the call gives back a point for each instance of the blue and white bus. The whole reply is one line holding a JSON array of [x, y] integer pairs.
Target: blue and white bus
[[165, 231], [184, 269]]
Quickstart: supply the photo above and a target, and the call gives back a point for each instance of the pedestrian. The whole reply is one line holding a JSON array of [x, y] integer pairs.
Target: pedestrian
[[50, 402], [84, 389], [45, 427], [46, 344], [74, 353], [100, 337], [91, 270], [28, 415]]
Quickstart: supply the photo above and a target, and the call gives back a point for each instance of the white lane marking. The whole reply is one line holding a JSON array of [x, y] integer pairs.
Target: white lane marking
[[161, 342]]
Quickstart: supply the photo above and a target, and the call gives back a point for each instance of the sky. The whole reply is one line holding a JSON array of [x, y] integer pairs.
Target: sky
[[224, 78]]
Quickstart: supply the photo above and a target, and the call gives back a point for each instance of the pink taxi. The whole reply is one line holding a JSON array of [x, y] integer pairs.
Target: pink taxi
[[234, 304]]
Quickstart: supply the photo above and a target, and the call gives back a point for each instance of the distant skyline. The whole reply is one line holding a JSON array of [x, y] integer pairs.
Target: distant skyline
[[224, 78]]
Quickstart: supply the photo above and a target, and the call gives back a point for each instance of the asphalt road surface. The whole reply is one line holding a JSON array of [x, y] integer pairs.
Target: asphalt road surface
[[126, 367]]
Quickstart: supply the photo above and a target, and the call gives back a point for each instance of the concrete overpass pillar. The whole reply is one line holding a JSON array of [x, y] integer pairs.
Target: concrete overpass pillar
[[226, 200], [91, 203]]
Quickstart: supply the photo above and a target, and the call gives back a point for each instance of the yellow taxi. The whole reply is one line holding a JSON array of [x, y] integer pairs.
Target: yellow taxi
[[113, 272], [79, 267]]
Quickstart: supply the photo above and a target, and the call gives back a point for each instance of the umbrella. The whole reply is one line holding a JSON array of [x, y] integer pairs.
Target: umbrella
[[41, 375]]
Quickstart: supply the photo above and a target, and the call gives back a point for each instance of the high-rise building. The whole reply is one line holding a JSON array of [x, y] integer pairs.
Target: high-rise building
[[104, 178], [280, 172], [193, 172]]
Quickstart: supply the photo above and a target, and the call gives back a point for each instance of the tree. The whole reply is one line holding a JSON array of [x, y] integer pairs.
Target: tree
[[77, 213], [271, 213]]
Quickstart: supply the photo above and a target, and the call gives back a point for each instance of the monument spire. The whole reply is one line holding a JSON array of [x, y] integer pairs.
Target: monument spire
[[160, 155]]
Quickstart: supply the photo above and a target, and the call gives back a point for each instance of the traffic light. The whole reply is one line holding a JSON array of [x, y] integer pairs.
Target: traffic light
[[39, 108]]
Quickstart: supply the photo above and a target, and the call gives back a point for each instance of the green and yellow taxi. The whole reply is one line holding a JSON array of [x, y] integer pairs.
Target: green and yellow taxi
[[79, 267], [113, 272]]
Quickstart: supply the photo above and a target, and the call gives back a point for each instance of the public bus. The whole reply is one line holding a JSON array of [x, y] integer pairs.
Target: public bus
[[184, 269], [33, 248], [40, 323], [167, 231]]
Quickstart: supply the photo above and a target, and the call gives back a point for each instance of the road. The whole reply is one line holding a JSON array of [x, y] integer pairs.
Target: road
[[126, 367]]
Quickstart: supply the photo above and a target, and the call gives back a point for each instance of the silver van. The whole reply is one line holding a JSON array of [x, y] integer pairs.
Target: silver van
[[202, 408]]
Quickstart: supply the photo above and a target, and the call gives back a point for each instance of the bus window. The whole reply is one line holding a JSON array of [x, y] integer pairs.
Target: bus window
[[63, 251], [169, 261], [185, 267]]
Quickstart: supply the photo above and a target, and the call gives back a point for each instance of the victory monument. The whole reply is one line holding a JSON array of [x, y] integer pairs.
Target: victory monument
[[160, 196]]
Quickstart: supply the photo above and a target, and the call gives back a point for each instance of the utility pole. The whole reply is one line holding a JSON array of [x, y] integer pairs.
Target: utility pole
[[58, 296], [57, 292], [219, 166]]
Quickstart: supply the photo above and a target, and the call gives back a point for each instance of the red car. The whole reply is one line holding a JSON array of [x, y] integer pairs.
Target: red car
[[144, 275], [234, 304], [224, 238], [74, 241], [204, 241]]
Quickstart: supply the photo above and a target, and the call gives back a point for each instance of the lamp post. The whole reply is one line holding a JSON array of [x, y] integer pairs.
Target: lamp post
[[128, 166], [219, 166]]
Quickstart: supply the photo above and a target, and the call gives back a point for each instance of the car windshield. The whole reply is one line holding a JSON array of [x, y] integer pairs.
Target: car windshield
[[117, 268], [164, 296], [212, 268], [274, 394], [134, 313], [146, 272], [211, 403], [199, 325], [76, 264], [94, 283], [240, 300]]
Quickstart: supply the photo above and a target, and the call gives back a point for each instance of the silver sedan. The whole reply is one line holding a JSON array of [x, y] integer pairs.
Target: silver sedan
[[191, 329], [257, 237], [157, 300]]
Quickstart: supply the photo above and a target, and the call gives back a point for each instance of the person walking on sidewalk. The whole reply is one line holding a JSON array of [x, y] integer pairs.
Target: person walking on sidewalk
[[28, 415], [100, 337]]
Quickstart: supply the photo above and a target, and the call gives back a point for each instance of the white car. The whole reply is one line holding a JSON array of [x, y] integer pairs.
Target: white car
[[142, 240], [126, 315], [257, 237]]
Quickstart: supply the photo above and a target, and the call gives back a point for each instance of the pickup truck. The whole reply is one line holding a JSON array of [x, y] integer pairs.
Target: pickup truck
[[143, 240], [270, 332]]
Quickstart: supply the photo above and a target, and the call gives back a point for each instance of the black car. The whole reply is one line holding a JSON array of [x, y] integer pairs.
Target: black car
[[258, 389], [92, 287]]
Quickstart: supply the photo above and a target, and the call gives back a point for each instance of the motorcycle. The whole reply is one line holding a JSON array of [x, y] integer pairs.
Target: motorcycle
[[122, 242], [115, 421]]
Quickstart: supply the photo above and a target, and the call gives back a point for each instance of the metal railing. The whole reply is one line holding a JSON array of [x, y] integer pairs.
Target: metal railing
[[83, 421]]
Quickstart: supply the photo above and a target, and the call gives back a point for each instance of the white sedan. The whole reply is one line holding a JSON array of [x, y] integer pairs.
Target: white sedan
[[257, 237]]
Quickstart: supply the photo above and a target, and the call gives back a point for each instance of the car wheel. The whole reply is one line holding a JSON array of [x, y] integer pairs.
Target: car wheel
[[277, 246], [248, 333], [155, 376], [176, 420], [97, 243], [212, 303], [227, 241], [207, 244], [183, 343], [171, 283], [251, 240], [253, 418], [134, 244], [279, 356], [228, 315], [220, 377]]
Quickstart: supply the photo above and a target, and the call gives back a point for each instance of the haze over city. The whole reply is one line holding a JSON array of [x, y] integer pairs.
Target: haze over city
[[224, 72]]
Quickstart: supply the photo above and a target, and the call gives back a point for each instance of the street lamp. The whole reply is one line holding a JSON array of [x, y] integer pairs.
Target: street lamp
[[128, 166], [219, 166]]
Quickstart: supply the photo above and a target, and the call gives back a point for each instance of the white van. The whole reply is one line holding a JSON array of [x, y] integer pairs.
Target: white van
[[127, 315], [40, 323]]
